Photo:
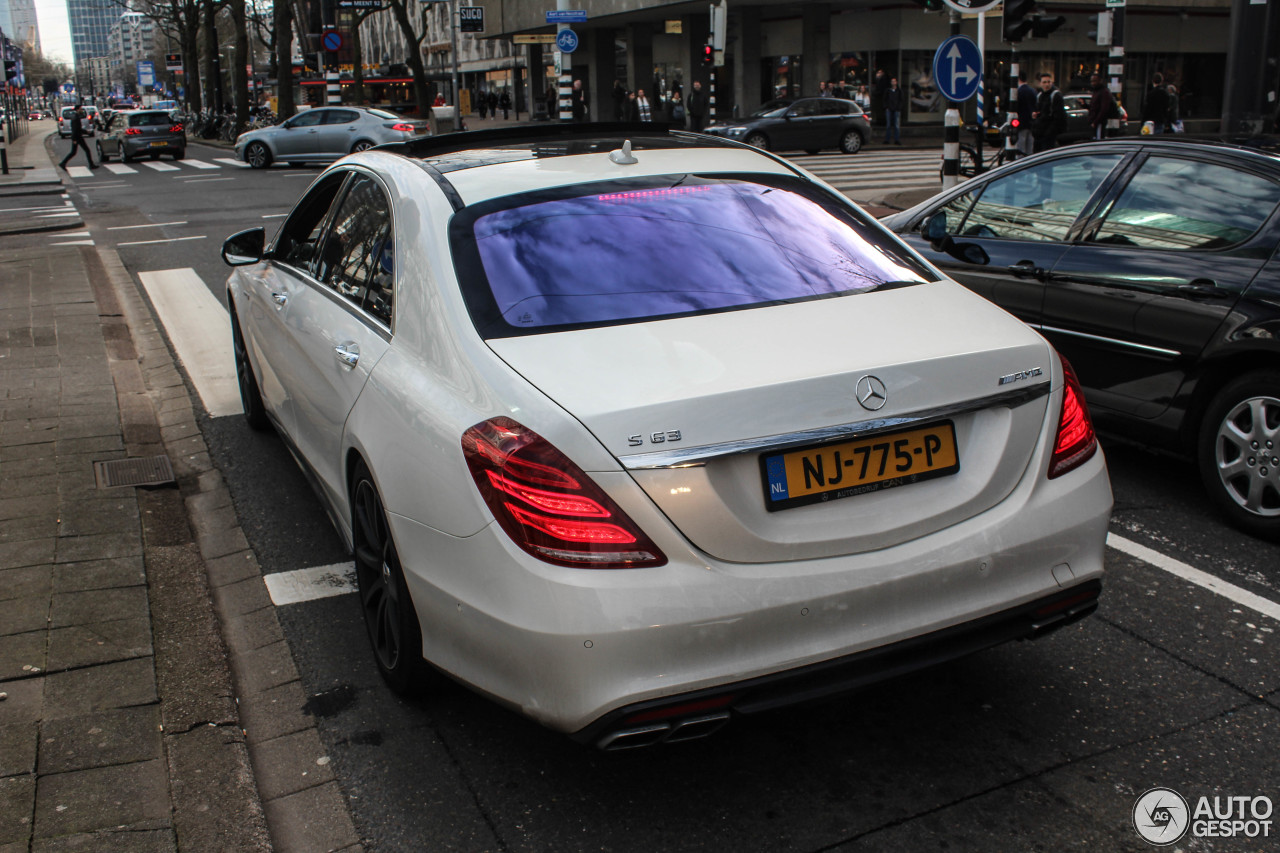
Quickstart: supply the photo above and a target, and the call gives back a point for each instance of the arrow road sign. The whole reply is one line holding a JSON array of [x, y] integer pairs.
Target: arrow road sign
[[957, 68]]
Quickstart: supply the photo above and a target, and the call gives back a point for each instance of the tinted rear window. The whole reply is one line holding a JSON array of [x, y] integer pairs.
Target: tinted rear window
[[598, 255], [150, 120]]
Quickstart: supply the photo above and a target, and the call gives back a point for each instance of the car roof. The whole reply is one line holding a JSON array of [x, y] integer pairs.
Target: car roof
[[1264, 148], [478, 165]]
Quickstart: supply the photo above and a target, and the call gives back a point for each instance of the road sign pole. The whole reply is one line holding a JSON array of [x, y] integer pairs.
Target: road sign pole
[[454, 23], [982, 86], [566, 69]]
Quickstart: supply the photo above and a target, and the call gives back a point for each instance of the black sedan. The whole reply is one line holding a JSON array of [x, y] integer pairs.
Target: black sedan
[[1150, 263], [807, 124]]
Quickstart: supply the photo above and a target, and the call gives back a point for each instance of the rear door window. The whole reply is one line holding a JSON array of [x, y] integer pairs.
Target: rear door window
[[1039, 202]]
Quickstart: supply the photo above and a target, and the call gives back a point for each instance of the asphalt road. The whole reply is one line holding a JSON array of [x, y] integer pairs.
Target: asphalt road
[[1040, 745]]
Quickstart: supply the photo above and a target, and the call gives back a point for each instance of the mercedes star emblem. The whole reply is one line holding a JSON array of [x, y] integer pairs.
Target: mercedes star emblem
[[872, 393]]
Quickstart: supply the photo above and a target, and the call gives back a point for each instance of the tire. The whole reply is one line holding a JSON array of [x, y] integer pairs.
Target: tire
[[758, 140], [257, 155], [1238, 452], [362, 145], [851, 142], [178, 155], [255, 413], [389, 615], [102, 158], [812, 151], [968, 161], [154, 157]]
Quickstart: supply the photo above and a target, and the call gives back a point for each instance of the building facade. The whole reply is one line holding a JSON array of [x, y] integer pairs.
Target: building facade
[[90, 22], [130, 39], [98, 76], [18, 22]]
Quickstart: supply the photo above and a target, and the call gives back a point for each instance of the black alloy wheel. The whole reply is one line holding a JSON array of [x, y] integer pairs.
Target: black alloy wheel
[[362, 145], [851, 142], [1239, 453], [257, 155], [389, 615], [758, 140], [255, 414]]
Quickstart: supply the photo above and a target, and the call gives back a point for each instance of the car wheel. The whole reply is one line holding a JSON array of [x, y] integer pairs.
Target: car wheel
[[362, 145], [257, 155], [255, 414], [1239, 453], [102, 158], [178, 155], [812, 150], [758, 140], [851, 142], [389, 615], [155, 156]]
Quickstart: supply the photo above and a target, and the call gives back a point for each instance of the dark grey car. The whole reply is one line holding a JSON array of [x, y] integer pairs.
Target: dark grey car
[[807, 124], [140, 133]]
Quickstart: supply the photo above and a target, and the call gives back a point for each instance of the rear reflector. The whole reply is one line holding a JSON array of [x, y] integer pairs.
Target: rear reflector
[[548, 505], [1076, 441]]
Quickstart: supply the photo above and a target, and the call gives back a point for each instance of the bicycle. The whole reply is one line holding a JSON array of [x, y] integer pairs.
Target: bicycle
[[971, 165]]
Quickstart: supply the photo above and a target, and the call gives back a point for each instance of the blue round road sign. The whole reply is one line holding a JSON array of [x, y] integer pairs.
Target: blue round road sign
[[567, 41], [332, 40], [957, 68]]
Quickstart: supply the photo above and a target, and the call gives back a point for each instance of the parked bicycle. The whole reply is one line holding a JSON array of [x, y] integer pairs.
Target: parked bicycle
[[997, 152]]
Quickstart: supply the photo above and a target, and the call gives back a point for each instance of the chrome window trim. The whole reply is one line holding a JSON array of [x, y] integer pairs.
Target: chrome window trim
[[1168, 353], [695, 456]]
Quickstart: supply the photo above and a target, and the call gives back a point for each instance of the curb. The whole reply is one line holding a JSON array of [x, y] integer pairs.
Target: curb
[[53, 188], [41, 229]]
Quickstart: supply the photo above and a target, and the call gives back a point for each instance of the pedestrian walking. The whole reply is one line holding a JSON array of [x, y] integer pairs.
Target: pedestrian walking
[[620, 97], [578, 102], [77, 140], [696, 106], [1025, 104], [1099, 105], [878, 89], [482, 103], [1155, 107], [492, 100], [1050, 117], [892, 113], [640, 108], [504, 102], [1175, 114], [823, 90]]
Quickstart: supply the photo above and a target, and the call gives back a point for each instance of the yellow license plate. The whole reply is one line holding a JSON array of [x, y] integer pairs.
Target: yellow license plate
[[160, 144], [832, 471]]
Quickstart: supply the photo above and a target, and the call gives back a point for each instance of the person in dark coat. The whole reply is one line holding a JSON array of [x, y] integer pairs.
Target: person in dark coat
[[492, 100], [893, 113], [504, 102], [1024, 142], [620, 95], [578, 101], [1155, 107], [878, 88], [1050, 117], [77, 140], [1099, 105], [482, 103], [696, 107]]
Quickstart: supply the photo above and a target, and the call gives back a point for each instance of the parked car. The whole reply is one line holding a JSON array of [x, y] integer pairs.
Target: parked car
[[1078, 127], [323, 134], [138, 133], [1150, 263], [807, 124], [87, 123], [635, 432]]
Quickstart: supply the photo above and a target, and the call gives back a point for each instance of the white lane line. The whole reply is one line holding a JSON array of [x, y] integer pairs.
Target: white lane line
[[107, 186], [310, 584], [120, 169], [58, 208], [1193, 575], [80, 171], [274, 215], [187, 180], [74, 243], [296, 174], [62, 234], [198, 326], [167, 240], [147, 225], [198, 164], [228, 161], [161, 167], [56, 215]]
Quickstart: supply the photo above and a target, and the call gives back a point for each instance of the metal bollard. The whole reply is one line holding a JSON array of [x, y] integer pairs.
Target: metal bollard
[[951, 149]]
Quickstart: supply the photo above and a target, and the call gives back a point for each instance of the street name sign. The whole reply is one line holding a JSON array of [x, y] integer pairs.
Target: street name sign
[[957, 68], [566, 16], [366, 5]]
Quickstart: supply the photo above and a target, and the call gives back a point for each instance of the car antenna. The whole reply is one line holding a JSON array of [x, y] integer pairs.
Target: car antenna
[[622, 156]]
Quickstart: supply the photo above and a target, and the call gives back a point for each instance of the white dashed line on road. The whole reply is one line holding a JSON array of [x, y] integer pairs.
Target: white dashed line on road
[[145, 225], [161, 167], [120, 169], [167, 240]]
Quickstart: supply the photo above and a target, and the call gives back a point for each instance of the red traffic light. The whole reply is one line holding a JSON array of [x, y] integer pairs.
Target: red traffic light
[[708, 54]]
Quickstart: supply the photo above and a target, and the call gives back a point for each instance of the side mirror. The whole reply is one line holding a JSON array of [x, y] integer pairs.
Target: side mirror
[[935, 231], [244, 248]]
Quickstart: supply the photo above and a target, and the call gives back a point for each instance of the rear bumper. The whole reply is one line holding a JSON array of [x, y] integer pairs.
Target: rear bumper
[[170, 146]]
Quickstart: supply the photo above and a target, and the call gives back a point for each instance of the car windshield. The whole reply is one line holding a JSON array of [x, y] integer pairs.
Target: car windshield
[[598, 255], [771, 107]]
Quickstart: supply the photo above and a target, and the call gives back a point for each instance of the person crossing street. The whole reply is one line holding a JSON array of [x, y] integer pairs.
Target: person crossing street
[[77, 140]]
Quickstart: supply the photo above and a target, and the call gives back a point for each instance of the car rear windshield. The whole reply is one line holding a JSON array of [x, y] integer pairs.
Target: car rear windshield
[[606, 254], [150, 120]]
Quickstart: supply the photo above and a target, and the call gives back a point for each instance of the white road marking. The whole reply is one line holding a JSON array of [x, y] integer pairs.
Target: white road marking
[[80, 171], [33, 209], [74, 243], [108, 186], [274, 215], [1214, 584], [311, 584], [228, 161], [166, 240], [62, 234], [187, 180], [147, 225], [198, 164], [56, 215], [120, 169], [160, 167], [296, 174], [199, 328]]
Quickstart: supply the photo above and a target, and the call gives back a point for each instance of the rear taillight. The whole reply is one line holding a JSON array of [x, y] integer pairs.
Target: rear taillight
[[548, 505], [1076, 442], [407, 128], [133, 131], [177, 128]]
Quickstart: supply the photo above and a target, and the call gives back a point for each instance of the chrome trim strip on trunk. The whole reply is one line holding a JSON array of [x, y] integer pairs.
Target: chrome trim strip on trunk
[[692, 456], [1171, 353]]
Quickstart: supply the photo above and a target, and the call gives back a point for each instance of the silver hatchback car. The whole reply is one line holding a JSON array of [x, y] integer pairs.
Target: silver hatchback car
[[138, 133], [323, 134]]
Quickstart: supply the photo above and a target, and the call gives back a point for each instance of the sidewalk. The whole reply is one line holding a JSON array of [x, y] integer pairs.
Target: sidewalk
[[32, 174], [120, 699]]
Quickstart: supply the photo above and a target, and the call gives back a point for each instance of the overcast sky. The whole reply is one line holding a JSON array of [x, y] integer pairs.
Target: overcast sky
[[55, 35]]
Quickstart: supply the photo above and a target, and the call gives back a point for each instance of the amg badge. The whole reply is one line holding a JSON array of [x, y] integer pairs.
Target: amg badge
[[1020, 375]]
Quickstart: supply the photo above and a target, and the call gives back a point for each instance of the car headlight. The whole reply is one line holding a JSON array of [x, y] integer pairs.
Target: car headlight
[[735, 131]]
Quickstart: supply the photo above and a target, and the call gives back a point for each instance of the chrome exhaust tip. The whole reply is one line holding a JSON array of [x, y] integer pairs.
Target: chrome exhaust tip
[[690, 728]]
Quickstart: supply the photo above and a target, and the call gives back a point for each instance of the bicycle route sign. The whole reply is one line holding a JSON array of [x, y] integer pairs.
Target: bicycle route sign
[[567, 41], [957, 68]]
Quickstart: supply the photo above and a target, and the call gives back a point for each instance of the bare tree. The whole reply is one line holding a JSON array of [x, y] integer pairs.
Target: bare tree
[[283, 10], [421, 91]]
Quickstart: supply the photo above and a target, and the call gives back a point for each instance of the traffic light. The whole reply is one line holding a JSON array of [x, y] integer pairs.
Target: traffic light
[[1042, 26], [1101, 32], [1015, 25], [708, 54]]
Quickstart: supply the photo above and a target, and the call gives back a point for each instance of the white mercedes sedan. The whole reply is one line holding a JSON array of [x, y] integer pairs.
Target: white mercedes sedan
[[639, 431]]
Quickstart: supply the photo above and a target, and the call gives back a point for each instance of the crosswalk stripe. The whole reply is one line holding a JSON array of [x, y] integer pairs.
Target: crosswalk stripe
[[869, 175], [80, 171], [198, 164], [230, 162], [197, 325], [74, 243], [161, 167], [120, 169]]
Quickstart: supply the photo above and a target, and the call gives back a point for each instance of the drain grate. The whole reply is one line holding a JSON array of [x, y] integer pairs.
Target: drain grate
[[139, 471]]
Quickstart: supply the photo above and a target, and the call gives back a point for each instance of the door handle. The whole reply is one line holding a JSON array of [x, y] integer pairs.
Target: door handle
[[1202, 288], [348, 354], [1022, 268], [279, 297]]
